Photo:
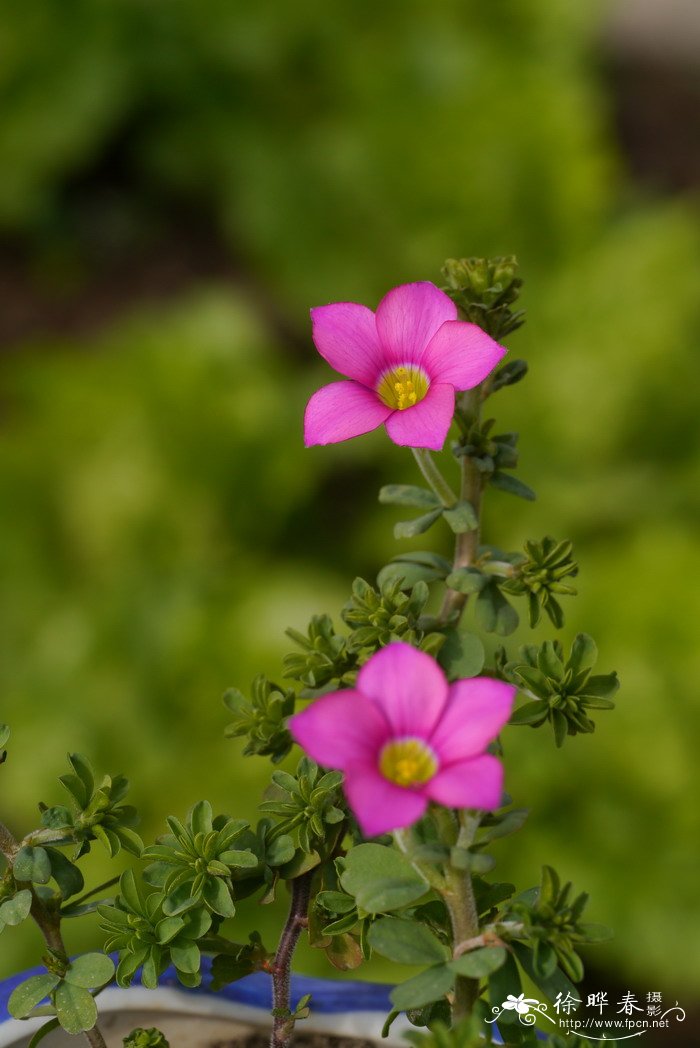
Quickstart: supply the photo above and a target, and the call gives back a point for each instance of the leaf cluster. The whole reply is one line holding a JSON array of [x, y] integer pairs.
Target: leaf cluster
[[541, 577], [96, 812], [194, 863], [460, 515], [309, 803], [140, 929], [379, 617], [493, 455], [262, 718], [562, 692], [551, 922], [68, 989], [141, 1038]]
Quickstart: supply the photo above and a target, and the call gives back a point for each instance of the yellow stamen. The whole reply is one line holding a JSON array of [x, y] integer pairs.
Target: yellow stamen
[[408, 762], [402, 387]]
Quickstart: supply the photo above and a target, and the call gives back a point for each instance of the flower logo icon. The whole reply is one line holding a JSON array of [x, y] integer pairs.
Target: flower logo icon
[[520, 1004]]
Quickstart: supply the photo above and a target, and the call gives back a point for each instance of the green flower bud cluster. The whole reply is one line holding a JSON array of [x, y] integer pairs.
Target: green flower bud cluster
[[193, 864], [97, 812], [263, 718], [562, 691], [552, 924], [309, 802], [484, 289], [541, 576]]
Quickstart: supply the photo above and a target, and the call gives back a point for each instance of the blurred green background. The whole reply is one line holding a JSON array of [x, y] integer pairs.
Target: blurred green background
[[180, 182]]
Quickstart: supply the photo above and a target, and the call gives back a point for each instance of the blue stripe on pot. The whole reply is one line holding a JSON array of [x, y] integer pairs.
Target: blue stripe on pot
[[330, 996]]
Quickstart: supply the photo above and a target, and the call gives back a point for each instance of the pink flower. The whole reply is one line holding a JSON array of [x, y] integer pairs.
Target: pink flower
[[404, 737], [404, 363]]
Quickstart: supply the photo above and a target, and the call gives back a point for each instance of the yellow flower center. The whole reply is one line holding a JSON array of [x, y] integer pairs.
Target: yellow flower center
[[408, 762], [402, 387]]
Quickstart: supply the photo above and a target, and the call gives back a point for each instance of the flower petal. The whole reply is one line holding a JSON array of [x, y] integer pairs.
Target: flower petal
[[476, 783], [379, 805], [461, 354], [476, 711], [409, 316], [425, 425], [345, 334], [342, 728], [408, 686], [340, 411]]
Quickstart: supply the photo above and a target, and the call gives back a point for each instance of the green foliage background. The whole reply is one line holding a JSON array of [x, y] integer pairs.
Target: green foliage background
[[162, 523]]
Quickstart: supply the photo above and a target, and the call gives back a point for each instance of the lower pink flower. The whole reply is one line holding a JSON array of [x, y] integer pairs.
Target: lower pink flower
[[404, 737]]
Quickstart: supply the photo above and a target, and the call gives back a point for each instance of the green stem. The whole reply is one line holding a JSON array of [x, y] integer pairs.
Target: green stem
[[8, 845], [434, 477], [471, 490], [458, 896], [49, 924]]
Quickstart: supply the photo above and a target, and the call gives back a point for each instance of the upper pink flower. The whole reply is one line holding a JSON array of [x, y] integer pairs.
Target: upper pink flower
[[404, 363], [404, 737]]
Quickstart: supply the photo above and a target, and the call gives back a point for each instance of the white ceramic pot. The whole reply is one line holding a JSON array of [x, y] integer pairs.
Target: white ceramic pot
[[200, 1019]]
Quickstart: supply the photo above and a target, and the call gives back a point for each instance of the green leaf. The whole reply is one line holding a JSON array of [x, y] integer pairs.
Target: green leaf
[[185, 956], [75, 1008], [478, 963], [467, 580], [594, 933], [414, 567], [514, 486], [584, 653], [201, 817], [493, 613], [335, 902], [65, 873], [550, 985], [239, 859], [4, 735], [381, 878], [462, 655], [408, 495], [41, 1033], [82, 768], [32, 864], [531, 713], [461, 517], [560, 725], [510, 822], [407, 529], [30, 993], [406, 942], [549, 662], [533, 679], [13, 911], [601, 686], [429, 986], [90, 971], [218, 897]]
